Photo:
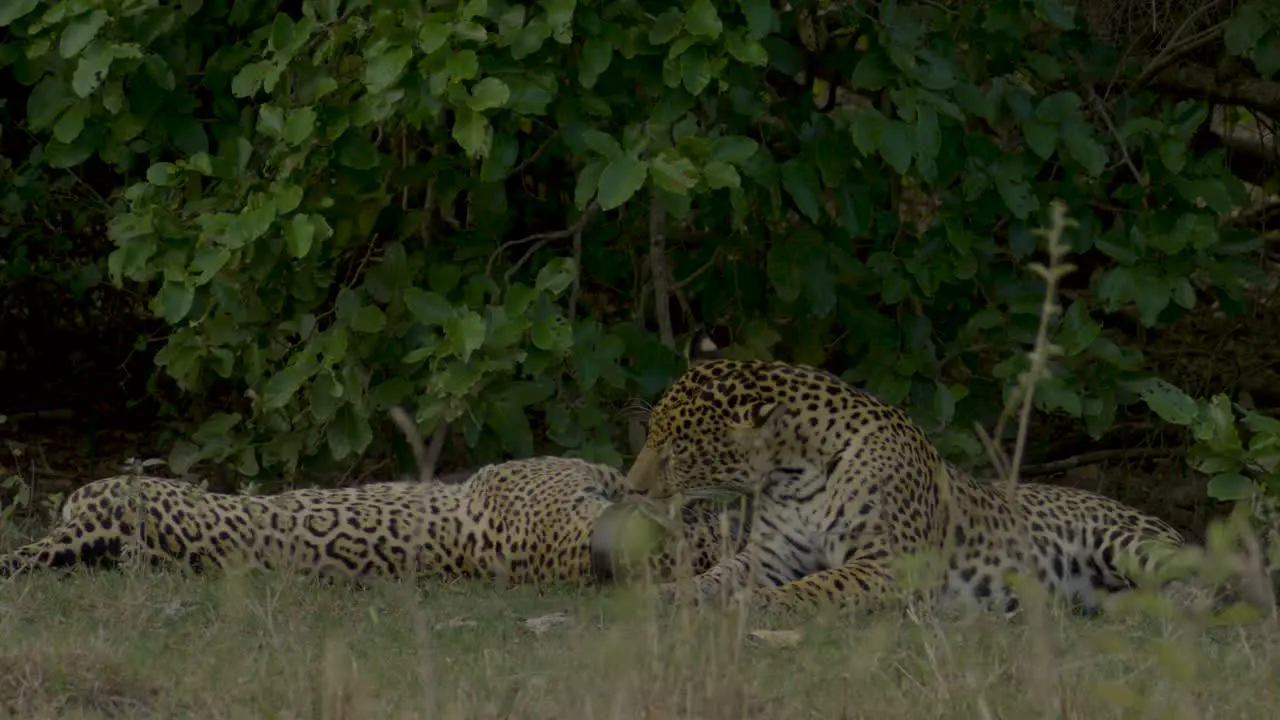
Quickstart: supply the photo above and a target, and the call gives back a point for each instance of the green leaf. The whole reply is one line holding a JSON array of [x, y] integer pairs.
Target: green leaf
[[1055, 394], [745, 49], [248, 464], [928, 138], [560, 17], [556, 276], [462, 65], [1173, 154], [597, 54], [432, 35], [734, 149], [216, 428], [13, 9], [300, 125], [676, 175], [208, 262], [382, 71], [68, 127], [761, 18], [896, 145], [552, 333], [1183, 293], [620, 179], [348, 433], [463, 334], [430, 309], [271, 121], [299, 234], [282, 386], [800, 180], [249, 79], [163, 174], [369, 319], [602, 143], [92, 68], [666, 26], [1231, 486], [472, 131], [511, 424], [354, 150], [519, 298], [174, 300], [288, 198], [80, 32], [1167, 400], [1210, 191], [1056, 108], [587, 184], [1243, 31], [721, 175], [46, 102], [1151, 295], [183, 456], [471, 31], [1041, 138], [281, 33], [695, 70], [487, 94], [1084, 149], [503, 152], [1016, 193], [702, 20]]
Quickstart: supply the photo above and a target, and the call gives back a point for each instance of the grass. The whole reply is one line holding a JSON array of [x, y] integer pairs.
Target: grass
[[155, 644], [144, 643]]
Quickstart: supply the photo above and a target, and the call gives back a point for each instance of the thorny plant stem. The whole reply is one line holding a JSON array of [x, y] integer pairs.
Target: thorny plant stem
[[1043, 350]]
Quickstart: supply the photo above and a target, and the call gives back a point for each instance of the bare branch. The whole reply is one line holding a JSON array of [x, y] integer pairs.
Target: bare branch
[[413, 435], [1106, 118], [1094, 457], [658, 268], [576, 293], [1177, 48], [428, 209], [532, 158], [1189, 80], [540, 239], [680, 285]]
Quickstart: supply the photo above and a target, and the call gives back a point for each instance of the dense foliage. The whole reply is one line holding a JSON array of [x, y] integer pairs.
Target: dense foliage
[[503, 215]]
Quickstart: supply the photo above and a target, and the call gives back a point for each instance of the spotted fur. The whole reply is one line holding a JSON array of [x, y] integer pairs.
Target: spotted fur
[[845, 484], [527, 521]]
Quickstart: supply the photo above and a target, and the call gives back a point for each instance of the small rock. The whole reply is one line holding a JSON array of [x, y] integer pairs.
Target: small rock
[[777, 638], [546, 623]]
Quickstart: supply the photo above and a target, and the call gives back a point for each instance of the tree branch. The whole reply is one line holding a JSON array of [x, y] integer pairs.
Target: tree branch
[[532, 158], [1094, 457], [576, 293], [1188, 80], [426, 457], [658, 268], [540, 239], [1177, 48]]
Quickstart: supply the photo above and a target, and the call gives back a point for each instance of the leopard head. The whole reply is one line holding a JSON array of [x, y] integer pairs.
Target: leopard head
[[716, 425]]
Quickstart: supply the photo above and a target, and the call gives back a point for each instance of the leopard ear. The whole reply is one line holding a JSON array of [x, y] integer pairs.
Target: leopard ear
[[767, 417], [701, 348]]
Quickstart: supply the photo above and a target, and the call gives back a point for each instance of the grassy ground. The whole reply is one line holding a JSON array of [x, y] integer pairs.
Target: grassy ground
[[149, 644]]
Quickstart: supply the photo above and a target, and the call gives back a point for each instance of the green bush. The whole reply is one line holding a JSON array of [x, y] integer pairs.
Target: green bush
[[502, 214]]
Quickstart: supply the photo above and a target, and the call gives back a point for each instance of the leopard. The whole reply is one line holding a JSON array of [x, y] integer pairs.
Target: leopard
[[846, 485], [537, 520]]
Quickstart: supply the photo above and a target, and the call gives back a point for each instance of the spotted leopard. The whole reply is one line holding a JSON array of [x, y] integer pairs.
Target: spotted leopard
[[538, 520], [845, 484]]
